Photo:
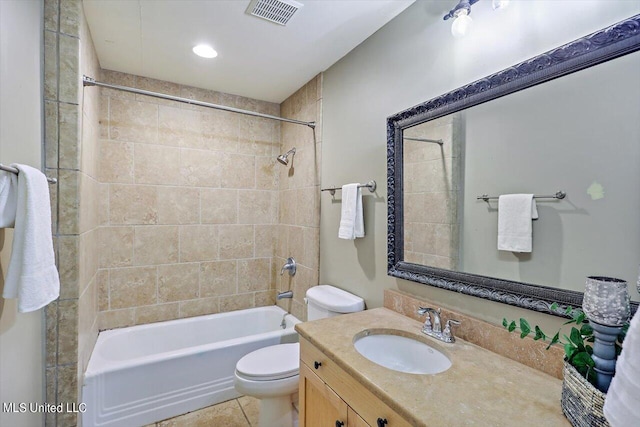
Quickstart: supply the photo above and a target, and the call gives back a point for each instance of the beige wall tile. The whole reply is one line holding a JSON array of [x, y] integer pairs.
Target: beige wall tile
[[238, 171], [51, 338], [254, 275], [67, 331], [67, 390], [178, 282], [199, 307], [157, 313], [133, 121], [133, 204], [50, 65], [236, 241], [265, 298], [116, 246], [236, 302], [217, 123], [198, 243], [116, 319], [257, 207], [132, 287], [102, 289], [200, 168], [218, 278], [103, 204], [156, 164], [266, 238], [308, 207], [121, 79], [51, 15], [69, 145], [179, 127], [219, 206], [68, 69], [155, 244], [179, 205], [311, 253], [267, 173], [51, 134], [160, 86], [68, 268], [116, 162], [70, 13]]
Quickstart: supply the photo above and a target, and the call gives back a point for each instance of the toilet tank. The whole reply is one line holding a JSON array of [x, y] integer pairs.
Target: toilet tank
[[327, 301]]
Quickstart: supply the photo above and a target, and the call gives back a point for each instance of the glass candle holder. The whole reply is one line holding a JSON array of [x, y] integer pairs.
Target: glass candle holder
[[606, 301]]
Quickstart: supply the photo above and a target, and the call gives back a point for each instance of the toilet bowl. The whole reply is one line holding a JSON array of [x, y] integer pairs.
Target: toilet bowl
[[271, 374]]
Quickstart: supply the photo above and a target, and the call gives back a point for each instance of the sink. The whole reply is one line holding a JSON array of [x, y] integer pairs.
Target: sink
[[401, 353]]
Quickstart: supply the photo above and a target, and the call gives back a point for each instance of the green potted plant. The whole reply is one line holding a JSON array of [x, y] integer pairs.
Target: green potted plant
[[581, 401]]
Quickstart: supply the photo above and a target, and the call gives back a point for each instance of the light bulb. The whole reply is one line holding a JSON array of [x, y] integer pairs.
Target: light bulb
[[461, 24], [205, 51], [500, 4]]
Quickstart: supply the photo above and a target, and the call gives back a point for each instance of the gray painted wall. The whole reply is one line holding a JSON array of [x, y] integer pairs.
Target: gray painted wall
[[412, 59]]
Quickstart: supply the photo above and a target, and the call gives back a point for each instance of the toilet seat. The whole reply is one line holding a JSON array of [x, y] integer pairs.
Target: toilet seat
[[270, 363]]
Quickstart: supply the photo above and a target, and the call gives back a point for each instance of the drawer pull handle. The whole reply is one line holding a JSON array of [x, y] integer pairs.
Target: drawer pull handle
[[339, 423], [317, 365], [382, 422]]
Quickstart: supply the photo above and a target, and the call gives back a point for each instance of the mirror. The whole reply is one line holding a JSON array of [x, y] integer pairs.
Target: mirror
[[507, 133]]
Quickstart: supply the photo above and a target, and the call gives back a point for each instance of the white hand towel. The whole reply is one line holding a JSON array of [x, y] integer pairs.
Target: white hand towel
[[32, 276], [8, 199], [622, 403], [351, 220], [515, 212]]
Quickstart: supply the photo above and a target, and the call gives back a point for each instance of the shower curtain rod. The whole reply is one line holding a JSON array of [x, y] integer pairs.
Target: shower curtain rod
[[88, 81]]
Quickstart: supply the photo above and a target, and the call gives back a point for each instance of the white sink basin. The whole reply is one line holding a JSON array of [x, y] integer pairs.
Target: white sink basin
[[401, 353]]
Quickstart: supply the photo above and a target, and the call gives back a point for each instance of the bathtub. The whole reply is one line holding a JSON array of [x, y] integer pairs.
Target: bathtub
[[147, 373]]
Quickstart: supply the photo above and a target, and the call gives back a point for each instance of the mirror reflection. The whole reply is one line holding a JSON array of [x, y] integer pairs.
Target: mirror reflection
[[579, 133]]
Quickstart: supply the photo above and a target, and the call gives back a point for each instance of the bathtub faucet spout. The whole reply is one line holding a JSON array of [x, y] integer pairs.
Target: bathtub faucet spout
[[289, 266], [286, 294]]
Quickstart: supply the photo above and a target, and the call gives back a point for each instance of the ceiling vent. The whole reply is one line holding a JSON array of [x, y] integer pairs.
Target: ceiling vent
[[278, 11]]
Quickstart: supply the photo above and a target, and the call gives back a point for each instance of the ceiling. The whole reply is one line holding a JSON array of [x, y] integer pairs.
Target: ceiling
[[256, 58]]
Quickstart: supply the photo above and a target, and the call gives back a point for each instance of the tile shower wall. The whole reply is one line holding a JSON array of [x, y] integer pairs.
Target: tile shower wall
[[432, 176], [71, 129], [299, 216], [189, 204]]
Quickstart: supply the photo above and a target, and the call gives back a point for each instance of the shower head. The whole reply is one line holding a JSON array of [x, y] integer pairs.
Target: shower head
[[283, 158]]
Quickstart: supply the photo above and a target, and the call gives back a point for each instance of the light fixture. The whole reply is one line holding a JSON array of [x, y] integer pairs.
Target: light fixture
[[462, 21], [205, 51]]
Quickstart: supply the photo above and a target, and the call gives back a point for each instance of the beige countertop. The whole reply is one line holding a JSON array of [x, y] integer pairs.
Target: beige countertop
[[481, 388]]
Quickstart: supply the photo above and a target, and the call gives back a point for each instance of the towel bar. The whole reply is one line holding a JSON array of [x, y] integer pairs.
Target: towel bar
[[559, 195], [14, 170], [371, 185]]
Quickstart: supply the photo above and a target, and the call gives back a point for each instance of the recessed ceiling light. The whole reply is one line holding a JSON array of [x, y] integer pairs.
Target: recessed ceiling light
[[205, 51]]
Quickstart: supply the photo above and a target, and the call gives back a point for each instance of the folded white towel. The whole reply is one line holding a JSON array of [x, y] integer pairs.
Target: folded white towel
[[8, 199], [351, 220], [515, 212], [622, 403], [32, 276]]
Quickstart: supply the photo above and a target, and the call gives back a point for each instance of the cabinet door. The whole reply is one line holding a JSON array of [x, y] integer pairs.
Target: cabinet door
[[355, 420], [319, 405]]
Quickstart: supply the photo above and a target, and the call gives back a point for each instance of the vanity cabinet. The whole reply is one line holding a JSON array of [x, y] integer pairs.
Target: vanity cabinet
[[329, 396]]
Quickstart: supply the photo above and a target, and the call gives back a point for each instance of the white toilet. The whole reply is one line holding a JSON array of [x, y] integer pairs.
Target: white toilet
[[271, 374]]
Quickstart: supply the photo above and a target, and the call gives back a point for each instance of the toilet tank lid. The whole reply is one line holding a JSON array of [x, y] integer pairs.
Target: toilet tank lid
[[334, 299]]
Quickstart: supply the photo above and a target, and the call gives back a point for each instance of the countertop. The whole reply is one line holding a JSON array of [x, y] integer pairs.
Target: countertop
[[481, 388]]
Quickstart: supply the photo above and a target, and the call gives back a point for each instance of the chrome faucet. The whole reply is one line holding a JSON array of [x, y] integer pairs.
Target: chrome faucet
[[289, 266], [435, 329], [285, 294]]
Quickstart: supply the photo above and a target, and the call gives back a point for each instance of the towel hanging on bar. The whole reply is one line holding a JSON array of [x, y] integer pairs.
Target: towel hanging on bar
[[14, 170]]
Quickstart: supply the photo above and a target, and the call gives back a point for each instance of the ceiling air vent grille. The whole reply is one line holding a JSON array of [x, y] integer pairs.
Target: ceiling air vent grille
[[278, 11]]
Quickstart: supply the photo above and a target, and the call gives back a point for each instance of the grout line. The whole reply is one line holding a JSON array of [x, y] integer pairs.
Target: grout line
[[243, 412]]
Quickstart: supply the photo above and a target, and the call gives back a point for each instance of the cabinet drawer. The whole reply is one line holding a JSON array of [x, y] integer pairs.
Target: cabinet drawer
[[363, 402]]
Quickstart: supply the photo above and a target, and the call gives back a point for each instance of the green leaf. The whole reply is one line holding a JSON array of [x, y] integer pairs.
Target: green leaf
[[576, 338], [568, 310], [539, 334], [581, 317], [582, 358], [554, 340], [586, 330], [504, 322], [512, 326], [569, 350], [554, 306], [525, 328]]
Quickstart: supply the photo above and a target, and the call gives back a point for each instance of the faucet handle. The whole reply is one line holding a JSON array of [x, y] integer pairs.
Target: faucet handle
[[446, 334], [427, 321]]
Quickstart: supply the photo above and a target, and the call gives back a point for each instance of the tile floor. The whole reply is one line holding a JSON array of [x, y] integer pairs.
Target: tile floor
[[240, 412]]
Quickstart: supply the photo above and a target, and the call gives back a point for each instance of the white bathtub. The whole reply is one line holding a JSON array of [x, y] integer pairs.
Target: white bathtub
[[147, 373]]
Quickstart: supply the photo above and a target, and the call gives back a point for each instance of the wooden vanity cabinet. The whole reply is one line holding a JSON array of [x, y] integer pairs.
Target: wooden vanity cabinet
[[330, 397]]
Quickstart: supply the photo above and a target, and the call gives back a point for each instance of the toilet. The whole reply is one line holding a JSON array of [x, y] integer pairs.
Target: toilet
[[271, 374]]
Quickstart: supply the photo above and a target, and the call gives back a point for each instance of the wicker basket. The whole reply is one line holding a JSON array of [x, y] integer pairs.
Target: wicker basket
[[581, 402]]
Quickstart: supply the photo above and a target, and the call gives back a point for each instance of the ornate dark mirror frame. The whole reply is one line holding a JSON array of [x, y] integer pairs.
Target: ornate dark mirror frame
[[611, 42]]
